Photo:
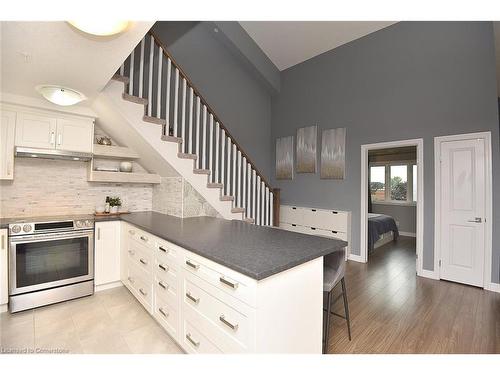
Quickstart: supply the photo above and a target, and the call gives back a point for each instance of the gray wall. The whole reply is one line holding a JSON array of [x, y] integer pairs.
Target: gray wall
[[410, 80], [239, 98], [405, 216]]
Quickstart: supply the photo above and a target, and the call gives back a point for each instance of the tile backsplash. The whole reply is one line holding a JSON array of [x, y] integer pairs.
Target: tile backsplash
[[55, 187]]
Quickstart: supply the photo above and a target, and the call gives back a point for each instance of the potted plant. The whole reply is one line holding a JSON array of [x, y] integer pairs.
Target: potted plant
[[114, 203]]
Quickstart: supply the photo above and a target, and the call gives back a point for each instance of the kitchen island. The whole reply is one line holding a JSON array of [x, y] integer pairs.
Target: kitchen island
[[220, 286]]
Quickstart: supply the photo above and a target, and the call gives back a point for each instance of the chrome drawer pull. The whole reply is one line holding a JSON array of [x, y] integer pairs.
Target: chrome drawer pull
[[162, 285], [234, 327], [130, 279], [188, 337], [162, 312], [145, 239], [143, 292], [161, 248], [192, 265], [143, 262], [228, 283], [195, 300], [164, 268]]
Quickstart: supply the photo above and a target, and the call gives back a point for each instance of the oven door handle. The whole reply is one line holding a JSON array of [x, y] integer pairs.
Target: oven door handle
[[51, 236]]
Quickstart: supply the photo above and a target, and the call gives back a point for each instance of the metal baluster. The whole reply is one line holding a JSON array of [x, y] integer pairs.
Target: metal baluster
[[158, 97], [150, 78], [183, 115], [141, 69], [176, 102]]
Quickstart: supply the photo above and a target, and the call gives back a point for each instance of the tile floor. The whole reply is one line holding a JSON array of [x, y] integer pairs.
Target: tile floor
[[111, 321]]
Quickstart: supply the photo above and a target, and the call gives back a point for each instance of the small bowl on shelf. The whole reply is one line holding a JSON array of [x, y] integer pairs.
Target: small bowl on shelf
[[99, 209], [126, 166]]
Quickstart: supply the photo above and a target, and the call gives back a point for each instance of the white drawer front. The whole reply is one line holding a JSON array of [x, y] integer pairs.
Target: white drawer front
[[166, 251], [143, 237], [291, 214], [166, 271], [167, 290], [167, 315], [140, 287], [229, 319], [323, 219], [195, 342], [140, 255], [228, 281]]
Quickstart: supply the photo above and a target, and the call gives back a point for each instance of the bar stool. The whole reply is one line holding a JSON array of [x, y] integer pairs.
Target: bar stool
[[333, 272]]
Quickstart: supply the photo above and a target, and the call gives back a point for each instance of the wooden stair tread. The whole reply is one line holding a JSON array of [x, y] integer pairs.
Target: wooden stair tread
[[120, 78], [201, 171], [154, 120], [237, 210], [169, 138], [184, 155], [227, 198], [215, 185], [134, 99]]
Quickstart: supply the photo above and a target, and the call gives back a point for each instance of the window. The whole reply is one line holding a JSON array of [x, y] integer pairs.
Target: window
[[394, 182]]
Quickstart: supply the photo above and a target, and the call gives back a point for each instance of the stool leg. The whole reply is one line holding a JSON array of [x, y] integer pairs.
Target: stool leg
[[346, 308], [327, 327]]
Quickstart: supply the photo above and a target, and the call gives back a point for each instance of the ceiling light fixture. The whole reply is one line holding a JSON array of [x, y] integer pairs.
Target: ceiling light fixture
[[100, 27], [60, 95]]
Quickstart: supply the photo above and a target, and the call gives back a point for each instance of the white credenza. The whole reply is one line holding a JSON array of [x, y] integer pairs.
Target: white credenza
[[209, 308], [317, 222]]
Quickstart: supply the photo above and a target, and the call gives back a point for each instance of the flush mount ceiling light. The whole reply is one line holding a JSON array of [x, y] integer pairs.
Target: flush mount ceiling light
[[100, 27], [60, 95]]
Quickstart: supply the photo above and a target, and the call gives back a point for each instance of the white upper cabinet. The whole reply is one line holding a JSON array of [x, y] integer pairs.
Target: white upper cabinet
[[75, 135], [7, 134], [53, 132], [34, 130]]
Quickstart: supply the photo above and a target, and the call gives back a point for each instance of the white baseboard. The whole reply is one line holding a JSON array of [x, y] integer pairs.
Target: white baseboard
[[4, 308], [407, 234], [114, 284], [429, 274], [356, 258], [493, 287]]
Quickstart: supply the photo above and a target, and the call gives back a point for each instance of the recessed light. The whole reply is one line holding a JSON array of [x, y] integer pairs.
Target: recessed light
[[100, 27], [60, 95]]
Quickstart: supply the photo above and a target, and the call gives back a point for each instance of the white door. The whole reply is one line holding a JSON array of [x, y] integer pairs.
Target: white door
[[7, 134], [462, 212], [75, 135], [33, 130], [107, 252]]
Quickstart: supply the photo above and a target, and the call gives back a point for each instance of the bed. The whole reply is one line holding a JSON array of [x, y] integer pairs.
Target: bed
[[378, 225]]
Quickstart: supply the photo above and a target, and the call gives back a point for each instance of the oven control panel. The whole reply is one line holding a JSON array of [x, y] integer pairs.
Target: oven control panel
[[18, 229]]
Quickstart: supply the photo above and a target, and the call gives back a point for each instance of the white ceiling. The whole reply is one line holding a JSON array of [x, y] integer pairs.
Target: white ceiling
[[34, 53], [289, 43]]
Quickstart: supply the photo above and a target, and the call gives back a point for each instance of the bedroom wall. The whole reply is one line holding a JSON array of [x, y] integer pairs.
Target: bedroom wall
[[410, 80], [405, 216]]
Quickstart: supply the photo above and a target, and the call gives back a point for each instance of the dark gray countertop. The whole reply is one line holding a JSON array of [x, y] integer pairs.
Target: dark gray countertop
[[255, 251]]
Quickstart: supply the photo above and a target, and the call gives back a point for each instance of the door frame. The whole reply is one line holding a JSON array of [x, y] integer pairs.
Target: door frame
[[486, 136], [419, 143]]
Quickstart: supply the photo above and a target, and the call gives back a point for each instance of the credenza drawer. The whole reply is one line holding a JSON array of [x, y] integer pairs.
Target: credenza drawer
[[228, 281], [291, 214], [167, 290], [140, 287], [139, 255], [166, 251], [141, 236], [325, 219]]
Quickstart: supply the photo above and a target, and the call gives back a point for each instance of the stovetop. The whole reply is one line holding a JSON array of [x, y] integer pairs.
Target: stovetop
[[4, 222]]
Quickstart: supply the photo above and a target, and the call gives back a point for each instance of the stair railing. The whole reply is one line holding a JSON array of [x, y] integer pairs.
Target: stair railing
[[185, 116]]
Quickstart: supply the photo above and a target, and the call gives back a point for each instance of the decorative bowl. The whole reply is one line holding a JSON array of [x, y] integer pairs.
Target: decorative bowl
[[125, 166]]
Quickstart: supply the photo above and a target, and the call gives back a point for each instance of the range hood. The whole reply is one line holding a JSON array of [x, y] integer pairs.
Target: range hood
[[42, 153]]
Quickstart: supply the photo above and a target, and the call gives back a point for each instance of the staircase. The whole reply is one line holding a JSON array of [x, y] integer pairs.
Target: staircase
[[152, 93]]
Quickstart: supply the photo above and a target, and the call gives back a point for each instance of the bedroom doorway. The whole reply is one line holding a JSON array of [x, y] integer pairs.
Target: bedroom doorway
[[392, 197]]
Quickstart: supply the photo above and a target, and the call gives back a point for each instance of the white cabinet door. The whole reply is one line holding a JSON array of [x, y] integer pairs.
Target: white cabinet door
[[4, 292], [7, 135], [34, 130], [75, 135], [107, 252]]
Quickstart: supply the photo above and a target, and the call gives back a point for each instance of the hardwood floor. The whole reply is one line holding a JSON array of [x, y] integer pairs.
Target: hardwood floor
[[394, 311]]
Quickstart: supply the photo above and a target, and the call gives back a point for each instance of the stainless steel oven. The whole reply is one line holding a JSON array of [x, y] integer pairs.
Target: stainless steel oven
[[50, 262]]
